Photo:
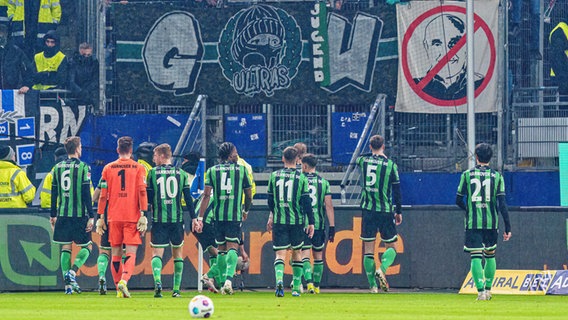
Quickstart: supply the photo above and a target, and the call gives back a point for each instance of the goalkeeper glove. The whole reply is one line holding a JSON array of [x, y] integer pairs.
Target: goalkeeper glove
[[142, 224], [101, 227], [331, 236]]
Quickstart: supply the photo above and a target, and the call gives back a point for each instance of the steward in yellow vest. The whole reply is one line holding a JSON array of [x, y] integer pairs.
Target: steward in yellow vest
[[50, 66], [16, 190], [559, 57]]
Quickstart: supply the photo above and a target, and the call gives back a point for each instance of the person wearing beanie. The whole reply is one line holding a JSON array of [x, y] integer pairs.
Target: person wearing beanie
[[16, 190], [144, 154], [60, 154], [50, 67]]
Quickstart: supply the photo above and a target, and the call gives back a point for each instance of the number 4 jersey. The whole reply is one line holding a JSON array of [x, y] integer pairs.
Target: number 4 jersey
[[122, 181]]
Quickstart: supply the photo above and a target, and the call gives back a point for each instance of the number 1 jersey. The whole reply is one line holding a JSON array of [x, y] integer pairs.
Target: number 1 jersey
[[123, 180]]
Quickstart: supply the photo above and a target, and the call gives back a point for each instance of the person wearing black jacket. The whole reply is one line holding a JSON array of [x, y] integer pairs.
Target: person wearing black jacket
[[14, 72], [84, 75]]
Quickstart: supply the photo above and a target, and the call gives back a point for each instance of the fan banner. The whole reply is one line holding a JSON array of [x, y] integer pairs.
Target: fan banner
[[432, 75]]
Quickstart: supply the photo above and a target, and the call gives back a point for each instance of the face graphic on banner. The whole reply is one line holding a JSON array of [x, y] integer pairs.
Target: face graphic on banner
[[441, 34]]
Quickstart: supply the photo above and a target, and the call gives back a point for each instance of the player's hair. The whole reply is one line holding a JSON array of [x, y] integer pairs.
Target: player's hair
[[124, 145], [164, 149], [85, 45], [483, 152], [290, 154], [302, 149], [71, 144], [310, 160], [225, 150], [376, 142]]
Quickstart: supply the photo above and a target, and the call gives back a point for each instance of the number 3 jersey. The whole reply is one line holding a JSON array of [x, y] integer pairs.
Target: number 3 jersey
[[481, 186], [378, 174], [122, 180]]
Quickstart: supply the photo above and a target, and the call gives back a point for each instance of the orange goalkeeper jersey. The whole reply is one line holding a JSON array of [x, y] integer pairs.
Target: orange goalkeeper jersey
[[122, 182]]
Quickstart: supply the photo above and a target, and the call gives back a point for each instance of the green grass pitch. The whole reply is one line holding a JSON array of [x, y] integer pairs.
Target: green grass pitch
[[263, 305]]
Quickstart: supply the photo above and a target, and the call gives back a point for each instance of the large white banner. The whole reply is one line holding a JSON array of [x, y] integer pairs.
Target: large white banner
[[432, 75]]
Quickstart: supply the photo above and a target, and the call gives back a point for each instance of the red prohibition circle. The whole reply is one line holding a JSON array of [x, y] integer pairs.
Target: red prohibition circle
[[479, 23]]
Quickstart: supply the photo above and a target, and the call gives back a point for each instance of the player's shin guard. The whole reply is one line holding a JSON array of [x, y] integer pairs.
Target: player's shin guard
[[116, 269], [157, 269], [387, 259], [370, 268], [128, 267], [279, 270], [307, 269], [81, 257], [318, 272], [102, 264], [178, 271], [489, 270], [297, 270], [65, 261], [222, 267], [232, 257], [477, 271]]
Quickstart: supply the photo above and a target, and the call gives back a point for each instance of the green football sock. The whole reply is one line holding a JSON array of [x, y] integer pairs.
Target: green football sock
[[477, 271], [178, 271], [279, 270], [489, 270], [222, 267], [297, 270], [370, 268], [387, 259], [65, 261], [318, 271], [157, 269], [307, 266], [213, 272], [232, 257], [102, 265], [81, 257]]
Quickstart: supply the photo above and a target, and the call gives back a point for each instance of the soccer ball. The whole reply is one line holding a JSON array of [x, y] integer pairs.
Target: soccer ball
[[242, 266], [201, 307]]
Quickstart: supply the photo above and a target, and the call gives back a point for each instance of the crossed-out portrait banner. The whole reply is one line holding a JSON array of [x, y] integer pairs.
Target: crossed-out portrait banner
[[432, 73]]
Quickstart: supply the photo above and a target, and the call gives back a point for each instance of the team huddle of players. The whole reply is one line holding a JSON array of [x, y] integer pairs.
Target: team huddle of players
[[299, 201]]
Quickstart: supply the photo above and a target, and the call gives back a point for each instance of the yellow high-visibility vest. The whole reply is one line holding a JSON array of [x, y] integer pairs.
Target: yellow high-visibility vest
[[47, 64], [564, 28]]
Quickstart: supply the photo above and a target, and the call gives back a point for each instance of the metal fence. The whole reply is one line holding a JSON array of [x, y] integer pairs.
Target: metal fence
[[418, 142]]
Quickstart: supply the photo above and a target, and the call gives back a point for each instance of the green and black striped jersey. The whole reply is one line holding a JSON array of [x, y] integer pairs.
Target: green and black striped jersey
[[166, 186], [71, 186], [228, 181], [208, 217], [286, 187], [318, 188], [378, 175], [480, 186]]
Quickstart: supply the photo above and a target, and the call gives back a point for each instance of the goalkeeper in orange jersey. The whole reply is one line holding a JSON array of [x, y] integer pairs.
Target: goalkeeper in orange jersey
[[123, 190]]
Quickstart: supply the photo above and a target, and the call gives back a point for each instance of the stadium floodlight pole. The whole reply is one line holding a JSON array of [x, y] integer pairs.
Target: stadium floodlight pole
[[378, 103], [470, 84]]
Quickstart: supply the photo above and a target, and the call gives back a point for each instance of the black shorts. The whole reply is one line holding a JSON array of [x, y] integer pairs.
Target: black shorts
[[165, 234], [227, 231], [105, 243], [285, 236], [316, 243], [207, 236], [378, 221], [69, 230], [480, 239]]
